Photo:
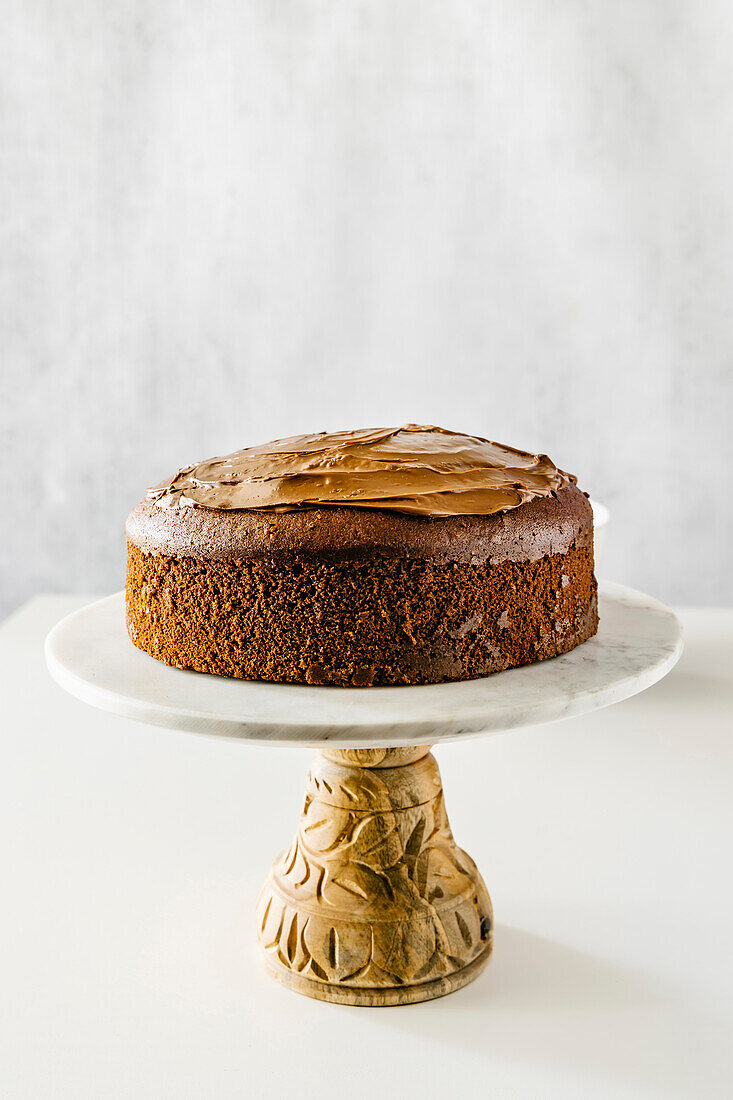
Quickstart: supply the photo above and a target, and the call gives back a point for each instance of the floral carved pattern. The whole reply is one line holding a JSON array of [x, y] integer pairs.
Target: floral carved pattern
[[374, 892]]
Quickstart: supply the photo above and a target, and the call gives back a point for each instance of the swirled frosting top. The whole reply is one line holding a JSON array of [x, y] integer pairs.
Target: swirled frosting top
[[418, 469]]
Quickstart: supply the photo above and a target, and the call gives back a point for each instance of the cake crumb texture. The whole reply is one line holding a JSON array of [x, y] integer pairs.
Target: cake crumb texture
[[357, 622]]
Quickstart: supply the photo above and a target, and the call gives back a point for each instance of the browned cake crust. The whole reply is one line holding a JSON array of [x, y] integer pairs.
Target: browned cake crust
[[358, 597]]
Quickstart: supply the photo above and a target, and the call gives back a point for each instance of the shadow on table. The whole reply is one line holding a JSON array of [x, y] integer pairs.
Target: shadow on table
[[531, 973], [542, 1003]]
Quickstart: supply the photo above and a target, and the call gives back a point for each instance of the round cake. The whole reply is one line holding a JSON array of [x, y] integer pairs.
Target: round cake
[[408, 555]]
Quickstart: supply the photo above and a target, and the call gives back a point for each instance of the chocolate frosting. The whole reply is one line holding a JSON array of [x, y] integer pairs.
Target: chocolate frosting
[[417, 469]]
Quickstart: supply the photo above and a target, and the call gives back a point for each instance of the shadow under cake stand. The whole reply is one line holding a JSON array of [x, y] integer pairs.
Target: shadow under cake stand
[[373, 903]]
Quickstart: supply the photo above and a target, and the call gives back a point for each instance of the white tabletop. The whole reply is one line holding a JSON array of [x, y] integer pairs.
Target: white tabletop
[[131, 863]]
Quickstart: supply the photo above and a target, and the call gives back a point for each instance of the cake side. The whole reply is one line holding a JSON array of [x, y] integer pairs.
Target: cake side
[[360, 597]]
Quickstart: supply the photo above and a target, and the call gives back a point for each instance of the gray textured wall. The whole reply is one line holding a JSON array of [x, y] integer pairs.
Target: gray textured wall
[[226, 221]]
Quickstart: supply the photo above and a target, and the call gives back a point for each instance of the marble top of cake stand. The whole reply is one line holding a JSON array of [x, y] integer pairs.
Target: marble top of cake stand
[[90, 655]]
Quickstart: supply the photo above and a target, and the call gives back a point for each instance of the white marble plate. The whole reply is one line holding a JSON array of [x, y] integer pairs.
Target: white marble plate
[[91, 656]]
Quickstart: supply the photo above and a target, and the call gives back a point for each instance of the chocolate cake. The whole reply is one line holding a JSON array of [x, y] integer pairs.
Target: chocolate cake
[[408, 555]]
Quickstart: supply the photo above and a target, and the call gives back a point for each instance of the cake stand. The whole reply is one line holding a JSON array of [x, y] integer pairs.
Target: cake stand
[[373, 903]]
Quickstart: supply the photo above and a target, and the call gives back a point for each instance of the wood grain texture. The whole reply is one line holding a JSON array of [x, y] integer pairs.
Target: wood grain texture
[[374, 903]]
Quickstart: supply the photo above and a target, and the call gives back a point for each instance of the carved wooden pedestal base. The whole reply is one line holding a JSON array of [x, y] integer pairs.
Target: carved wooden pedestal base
[[374, 903]]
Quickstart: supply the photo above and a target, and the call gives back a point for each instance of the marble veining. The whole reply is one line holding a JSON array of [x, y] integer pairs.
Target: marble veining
[[638, 642]]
